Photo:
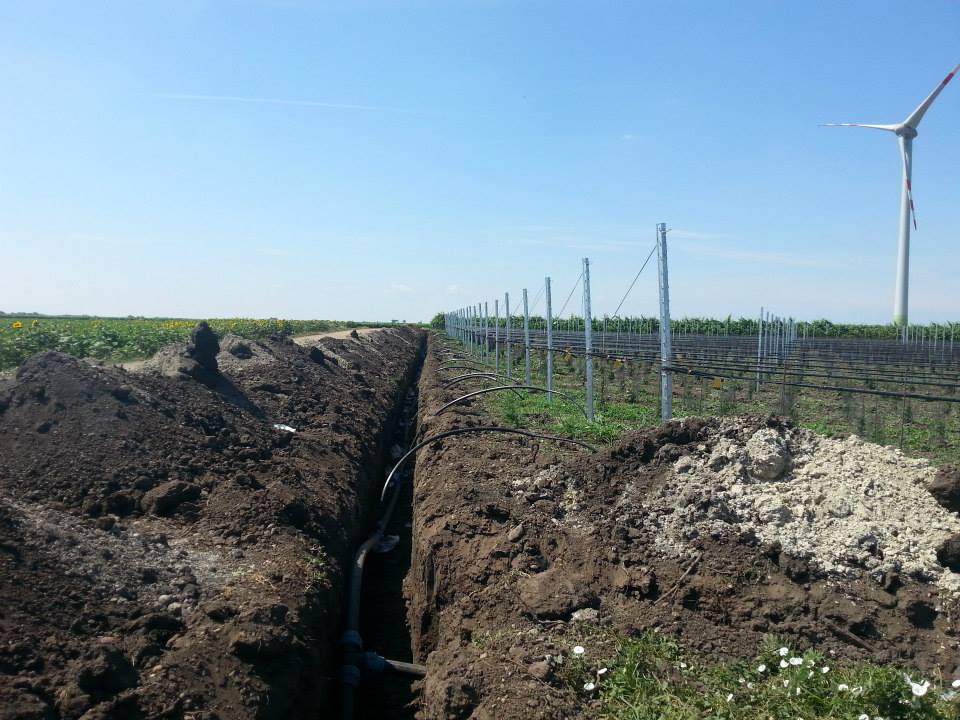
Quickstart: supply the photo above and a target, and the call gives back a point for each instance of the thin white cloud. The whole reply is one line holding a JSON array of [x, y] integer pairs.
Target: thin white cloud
[[586, 244], [400, 287], [280, 101], [696, 235], [761, 256]]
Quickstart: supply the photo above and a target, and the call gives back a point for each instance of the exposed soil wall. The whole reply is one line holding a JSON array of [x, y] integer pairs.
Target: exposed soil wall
[[521, 547], [165, 550]]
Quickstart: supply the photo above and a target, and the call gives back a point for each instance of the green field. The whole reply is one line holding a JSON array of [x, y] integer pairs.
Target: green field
[[118, 339]]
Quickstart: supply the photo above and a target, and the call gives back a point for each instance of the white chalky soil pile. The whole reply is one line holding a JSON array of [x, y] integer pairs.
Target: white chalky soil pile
[[849, 506]]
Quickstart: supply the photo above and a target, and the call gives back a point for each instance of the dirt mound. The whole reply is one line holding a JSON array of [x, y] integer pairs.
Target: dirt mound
[[518, 543], [848, 506], [165, 549]]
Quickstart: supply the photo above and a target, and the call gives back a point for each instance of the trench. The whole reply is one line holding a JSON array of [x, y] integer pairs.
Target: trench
[[384, 627]]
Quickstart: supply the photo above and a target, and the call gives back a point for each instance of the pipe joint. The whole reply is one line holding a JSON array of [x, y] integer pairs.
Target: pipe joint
[[350, 676]]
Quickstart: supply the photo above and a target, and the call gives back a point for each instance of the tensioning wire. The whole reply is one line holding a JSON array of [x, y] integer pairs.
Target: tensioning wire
[[615, 312], [560, 314], [536, 299]]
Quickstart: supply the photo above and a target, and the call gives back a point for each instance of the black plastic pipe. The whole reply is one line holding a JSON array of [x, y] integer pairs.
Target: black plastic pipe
[[486, 428], [474, 376], [351, 642], [512, 387]]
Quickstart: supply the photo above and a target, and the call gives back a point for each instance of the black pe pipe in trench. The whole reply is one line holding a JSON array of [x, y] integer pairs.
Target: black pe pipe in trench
[[354, 659]]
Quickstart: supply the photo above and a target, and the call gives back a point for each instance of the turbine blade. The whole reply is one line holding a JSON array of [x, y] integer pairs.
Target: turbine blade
[[889, 128], [908, 179], [917, 115]]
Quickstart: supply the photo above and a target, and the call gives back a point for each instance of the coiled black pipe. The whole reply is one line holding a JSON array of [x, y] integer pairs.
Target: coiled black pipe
[[470, 376], [513, 387], [483, 428], [466, 376], [465, 363]]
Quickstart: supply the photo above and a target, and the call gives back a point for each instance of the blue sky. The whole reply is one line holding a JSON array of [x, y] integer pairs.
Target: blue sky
[[378, 160]]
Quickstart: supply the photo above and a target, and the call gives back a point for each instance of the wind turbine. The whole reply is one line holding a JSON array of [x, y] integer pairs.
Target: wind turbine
[[905, 131]]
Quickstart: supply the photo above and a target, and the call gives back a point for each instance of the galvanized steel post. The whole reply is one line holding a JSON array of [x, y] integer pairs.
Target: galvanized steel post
[[550, 340], [588, 337], [759, 345], [506, 302], [496, 335], [526, 340], [486, 332], [666, 354]]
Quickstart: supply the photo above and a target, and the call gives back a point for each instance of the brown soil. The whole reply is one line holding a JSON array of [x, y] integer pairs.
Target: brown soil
[[165, 551], [511, 537]]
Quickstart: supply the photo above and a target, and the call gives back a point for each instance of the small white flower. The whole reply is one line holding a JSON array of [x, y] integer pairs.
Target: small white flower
[[796, 691], [578, 650], [729, 697], [858, 690], [863, 716], [918, 689], [601, 671], [825, 669], [784, 651], [750, 686], [843, 686], [784, 663], [810, 674], [795, 661], [955, 683], [589, 686], [786, 683], [683, 665], [763, 668]]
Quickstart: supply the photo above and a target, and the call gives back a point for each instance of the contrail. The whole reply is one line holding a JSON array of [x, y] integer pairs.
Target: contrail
[[282, 101]]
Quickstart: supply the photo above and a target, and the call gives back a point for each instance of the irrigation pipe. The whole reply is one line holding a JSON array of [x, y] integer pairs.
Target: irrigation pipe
[[351, 641], [465, 367], [485, 428], [474, 376], [512, 387]]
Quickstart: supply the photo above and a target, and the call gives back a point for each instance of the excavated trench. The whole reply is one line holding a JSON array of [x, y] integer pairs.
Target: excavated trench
[[383, 627], [166, 552]]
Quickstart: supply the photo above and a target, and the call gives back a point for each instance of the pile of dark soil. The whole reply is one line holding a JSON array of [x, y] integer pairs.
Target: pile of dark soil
[[518, 543], [169, 548]]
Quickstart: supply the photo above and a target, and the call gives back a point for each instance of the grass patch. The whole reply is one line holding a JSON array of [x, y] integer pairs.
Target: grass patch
[[562, 417], [652, 677]]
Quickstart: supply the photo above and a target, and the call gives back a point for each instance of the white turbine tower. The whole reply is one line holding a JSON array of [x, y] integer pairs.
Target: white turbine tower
[[905, 131]]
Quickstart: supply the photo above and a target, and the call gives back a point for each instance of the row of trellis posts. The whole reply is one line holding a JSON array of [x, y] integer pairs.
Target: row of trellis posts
[[472, 325]]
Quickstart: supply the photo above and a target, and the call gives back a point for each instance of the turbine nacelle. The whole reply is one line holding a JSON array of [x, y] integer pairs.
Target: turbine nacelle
[[905, 131]]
